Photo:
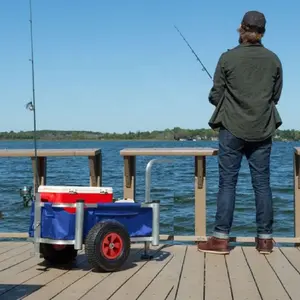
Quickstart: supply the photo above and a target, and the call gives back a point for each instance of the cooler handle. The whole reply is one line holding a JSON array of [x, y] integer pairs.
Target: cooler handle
[[114, 213]]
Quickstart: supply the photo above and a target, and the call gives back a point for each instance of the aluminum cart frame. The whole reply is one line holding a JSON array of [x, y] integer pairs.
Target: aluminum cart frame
[[77, 242]]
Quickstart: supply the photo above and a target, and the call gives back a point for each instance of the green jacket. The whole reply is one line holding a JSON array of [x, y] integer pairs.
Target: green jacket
[[247, 86]]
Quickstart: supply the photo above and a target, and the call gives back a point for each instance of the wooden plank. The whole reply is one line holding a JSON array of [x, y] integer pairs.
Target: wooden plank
[[26, 283], [48, 152], [177, 276], [54, 280], [286, 272], [180, 238], [8, 263], [179, 266], [269, 286], [193, 238], [242, 282], [293, 255], [21, 267], [296, 195], [129, 177], [17, 250], [7, 246], [82, 286], [217, 285], [11, 235], [139, 281], [29, 268], [164, 285], [200, 195], [193, 151], [65, 280], [191, 285], [107, 288]]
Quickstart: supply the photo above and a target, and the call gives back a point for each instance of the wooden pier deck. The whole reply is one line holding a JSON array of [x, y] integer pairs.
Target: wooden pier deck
[[176, 272]]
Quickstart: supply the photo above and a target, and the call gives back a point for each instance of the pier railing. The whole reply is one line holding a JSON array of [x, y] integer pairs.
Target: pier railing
[[200, 155], [199, 169], [94, 159], [129, 181]]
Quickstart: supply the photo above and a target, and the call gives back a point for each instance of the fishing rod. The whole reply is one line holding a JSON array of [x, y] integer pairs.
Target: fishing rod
[[203, 67], [199, 60], [31, 105]]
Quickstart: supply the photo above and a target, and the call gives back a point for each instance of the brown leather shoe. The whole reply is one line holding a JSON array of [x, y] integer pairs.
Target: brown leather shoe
[[215, 246], [264, 246]]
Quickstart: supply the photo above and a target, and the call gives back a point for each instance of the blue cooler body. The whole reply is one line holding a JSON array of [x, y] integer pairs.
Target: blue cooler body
[[59, 224]]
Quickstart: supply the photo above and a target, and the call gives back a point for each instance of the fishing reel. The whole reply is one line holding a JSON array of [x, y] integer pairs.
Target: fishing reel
[[26, 194]]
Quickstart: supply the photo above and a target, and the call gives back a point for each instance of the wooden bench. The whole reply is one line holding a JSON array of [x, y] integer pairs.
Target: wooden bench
[[94, 158], [200, 175]]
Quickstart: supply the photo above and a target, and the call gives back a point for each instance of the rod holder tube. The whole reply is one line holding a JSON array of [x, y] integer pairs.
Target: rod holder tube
[[148, 176], [79, 224], [155, 222]]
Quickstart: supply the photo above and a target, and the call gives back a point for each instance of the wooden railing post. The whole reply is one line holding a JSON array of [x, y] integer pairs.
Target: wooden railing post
[[40, 178], [95, 165], [129, 175], [296, 194], [200, 195]]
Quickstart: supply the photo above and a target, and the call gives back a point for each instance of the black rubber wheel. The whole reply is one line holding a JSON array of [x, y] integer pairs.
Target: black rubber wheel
[[58, 254], [107, 246]]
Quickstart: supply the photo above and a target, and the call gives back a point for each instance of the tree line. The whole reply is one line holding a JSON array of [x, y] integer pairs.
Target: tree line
[[176, 133]]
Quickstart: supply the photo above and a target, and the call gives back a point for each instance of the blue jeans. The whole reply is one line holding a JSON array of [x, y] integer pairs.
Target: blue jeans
[[231, 151]]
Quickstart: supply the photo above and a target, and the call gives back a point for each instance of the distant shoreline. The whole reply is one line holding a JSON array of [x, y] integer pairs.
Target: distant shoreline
[[173, 134], [104, 140], [83, 140], [121, 140]]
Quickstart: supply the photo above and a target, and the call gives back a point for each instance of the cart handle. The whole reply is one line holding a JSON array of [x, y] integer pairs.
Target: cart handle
[[148, 176]]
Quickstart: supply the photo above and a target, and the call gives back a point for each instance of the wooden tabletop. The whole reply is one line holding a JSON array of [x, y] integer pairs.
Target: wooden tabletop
[[48, 152], [192, 151]]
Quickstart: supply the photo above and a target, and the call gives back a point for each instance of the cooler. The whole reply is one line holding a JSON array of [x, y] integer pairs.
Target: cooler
[[69, 194]]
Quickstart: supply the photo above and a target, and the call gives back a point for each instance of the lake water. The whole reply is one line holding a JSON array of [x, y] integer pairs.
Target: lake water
[[176, 192]]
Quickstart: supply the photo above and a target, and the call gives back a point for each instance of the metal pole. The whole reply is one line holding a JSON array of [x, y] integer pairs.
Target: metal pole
[[79, 224], [37, 223], [33, 101], [154, 204], [155, 222]]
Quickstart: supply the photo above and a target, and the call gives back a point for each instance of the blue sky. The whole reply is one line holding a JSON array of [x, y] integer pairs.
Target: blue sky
[[120, 65]]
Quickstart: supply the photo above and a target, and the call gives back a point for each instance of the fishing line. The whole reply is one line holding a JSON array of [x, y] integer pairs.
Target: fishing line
[[199, 60]]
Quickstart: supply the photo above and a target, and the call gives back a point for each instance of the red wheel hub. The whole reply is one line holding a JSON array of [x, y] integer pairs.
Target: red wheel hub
[[112, 245]]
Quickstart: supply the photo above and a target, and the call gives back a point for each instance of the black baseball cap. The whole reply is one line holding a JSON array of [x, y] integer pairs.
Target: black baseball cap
[[254, 21]]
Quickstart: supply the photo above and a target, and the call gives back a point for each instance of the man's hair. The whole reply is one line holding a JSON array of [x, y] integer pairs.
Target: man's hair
[[248, 36]]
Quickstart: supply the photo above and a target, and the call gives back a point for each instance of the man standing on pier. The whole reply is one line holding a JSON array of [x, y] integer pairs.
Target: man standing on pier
[[246, 89]]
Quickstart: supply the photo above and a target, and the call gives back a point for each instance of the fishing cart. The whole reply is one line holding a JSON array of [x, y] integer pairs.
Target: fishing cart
[[64, 218]]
